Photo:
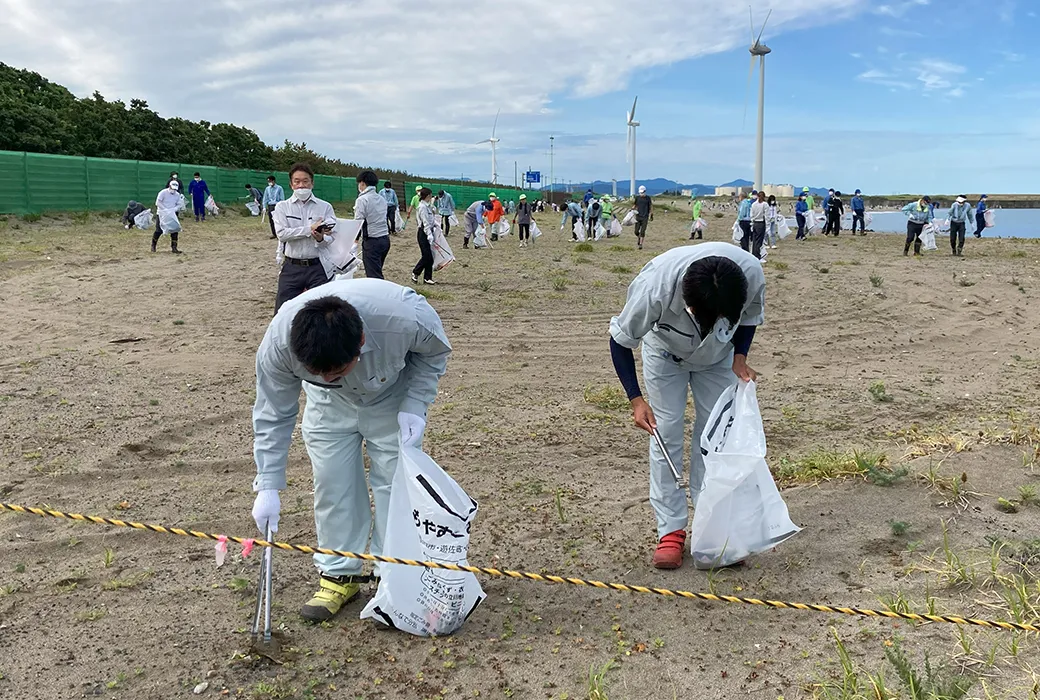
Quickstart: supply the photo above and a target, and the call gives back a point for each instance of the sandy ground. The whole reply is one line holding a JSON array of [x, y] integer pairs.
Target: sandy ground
[[528, 421]]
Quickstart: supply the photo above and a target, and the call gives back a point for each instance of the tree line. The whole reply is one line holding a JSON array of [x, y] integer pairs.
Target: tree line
[[40, 116]]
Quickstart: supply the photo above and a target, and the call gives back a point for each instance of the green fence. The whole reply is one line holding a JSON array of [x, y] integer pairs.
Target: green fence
[[34, 182], [464, 195]]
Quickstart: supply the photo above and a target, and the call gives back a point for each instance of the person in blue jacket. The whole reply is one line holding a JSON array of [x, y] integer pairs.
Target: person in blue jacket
[[918, 214], [199, 190], [859, 214], [980, 216], [801, 208]]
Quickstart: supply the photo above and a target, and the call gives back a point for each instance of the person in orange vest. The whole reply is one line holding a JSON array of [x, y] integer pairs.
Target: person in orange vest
[[495, 215]]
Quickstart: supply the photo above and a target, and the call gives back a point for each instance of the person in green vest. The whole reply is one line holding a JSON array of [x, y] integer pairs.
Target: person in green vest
[[695, 231], [607, 213], [809, 201], [413, 205]]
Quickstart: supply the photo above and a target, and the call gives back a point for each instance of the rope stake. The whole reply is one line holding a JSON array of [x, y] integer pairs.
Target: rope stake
[[526, 575]]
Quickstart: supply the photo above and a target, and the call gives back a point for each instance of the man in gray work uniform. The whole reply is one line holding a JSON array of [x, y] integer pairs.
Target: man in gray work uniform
[[695, 310]]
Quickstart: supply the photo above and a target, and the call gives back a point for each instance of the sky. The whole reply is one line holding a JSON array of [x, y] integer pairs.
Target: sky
[[907, 96]]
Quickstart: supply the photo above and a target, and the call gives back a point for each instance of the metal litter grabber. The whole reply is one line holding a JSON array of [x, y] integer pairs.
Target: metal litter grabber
[[680, 483], [264, 590]]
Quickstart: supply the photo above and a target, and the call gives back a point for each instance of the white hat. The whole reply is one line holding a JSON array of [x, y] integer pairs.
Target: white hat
[[174, 185], [642, 189]]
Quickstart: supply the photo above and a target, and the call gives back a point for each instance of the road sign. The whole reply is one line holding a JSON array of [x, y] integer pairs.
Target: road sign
[[533, 176]]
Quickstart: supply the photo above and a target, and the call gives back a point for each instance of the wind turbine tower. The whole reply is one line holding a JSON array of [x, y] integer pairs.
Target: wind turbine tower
[[631, 154]]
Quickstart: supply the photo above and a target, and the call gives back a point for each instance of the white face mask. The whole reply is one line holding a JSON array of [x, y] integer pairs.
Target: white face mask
[[303, 193], [197, 179]]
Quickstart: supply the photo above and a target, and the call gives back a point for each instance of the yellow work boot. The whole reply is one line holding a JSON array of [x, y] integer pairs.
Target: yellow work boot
[[333, 593]]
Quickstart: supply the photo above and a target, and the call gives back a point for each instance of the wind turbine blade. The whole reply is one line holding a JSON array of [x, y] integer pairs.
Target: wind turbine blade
[[747, 91], [493, 128], [763, 26], [633, 113], [751, 24]]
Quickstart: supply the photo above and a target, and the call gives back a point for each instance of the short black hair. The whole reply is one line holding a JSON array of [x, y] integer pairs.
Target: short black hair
[[388, 184], [441, 193], [172, 173], [714, 287], [301, 167], [424, 193], [197, 175], [326, 334], [248, 186], [838, 193], [368, 177], [489, 204], [270, 178]]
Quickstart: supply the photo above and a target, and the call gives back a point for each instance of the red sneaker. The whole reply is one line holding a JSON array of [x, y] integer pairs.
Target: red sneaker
[[669, 552]]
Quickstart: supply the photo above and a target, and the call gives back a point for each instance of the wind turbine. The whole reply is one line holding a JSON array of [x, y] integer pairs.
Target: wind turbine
[[760, 50], [630, 155], [493, 141]]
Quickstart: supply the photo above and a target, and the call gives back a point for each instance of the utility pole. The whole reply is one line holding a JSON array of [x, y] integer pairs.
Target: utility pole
[[515, 181], [552, 181]]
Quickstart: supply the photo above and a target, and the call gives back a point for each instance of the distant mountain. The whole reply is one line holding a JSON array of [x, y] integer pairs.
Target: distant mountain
[[661, 185]]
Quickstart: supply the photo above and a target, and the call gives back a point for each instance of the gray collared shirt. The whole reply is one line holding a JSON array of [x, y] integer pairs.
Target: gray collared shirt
[[404, 356], [370, 207], [655, 312]]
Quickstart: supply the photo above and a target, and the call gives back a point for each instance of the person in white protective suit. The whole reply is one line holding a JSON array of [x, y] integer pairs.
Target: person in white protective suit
[[695, 310], [369, 355]]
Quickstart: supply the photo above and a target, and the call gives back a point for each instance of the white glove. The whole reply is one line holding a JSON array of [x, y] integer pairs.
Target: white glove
[[412, 427], [266, 508]]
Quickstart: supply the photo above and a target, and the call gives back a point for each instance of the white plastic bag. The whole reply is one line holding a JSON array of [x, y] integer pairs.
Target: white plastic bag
[[480, 237], [253, 208], [503, 228], [700, 225], [615, 227], [398, 220], [535, 231], [783, 228], [211, 207], [144, 220], [442, 255], [739, 512], [928, 237], [600, 231], [182, 204], [168, 221], [738, 233], [579, 231], [630, 218], [429, 520], [811, 223], [990, 217], [453, 220]]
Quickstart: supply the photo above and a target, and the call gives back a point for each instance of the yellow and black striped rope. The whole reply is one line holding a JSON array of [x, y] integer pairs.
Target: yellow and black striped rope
[[526, 575]]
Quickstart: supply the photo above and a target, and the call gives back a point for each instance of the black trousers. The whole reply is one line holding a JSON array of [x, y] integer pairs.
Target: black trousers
[[574, 222], [425, 264], [641, 227], [525, 232], [391, 218], [445, 224], [745, 238], [861, 217], [593, 220], [296, 279], [374, 255], [159, 232], [913, 235], [833, 223], [800, 218], [270, 219], [758, 236], [957, 230]]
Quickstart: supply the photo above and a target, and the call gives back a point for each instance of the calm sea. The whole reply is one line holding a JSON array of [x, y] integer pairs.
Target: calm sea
[[1010, 223]]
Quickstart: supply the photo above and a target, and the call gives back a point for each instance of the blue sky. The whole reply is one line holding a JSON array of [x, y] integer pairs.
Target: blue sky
[[937, 96]]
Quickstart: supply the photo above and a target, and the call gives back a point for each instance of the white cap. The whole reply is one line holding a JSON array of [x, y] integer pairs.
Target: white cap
[[174, 185], [642, 189]]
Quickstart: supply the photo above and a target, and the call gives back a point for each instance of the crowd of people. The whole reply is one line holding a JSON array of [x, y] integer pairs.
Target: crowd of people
[[369, 353]]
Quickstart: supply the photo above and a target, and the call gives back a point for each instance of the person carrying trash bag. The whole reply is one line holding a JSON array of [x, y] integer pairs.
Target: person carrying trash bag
[[918, 215], [368, 355], [695, 310]]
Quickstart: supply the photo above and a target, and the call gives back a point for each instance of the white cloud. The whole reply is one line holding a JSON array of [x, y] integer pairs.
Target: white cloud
[[369, 77], [899, 9], [929, 74]]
